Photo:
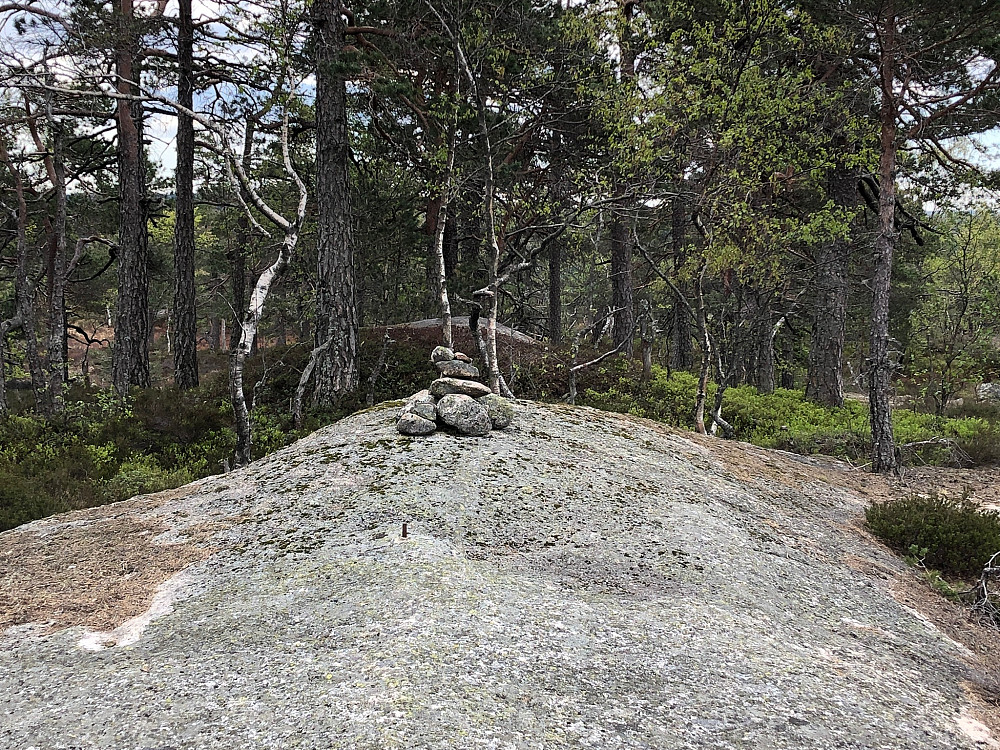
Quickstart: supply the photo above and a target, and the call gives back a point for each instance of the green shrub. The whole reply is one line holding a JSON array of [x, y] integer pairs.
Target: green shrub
[[24, 499], [141, 475], [983, 446], [668, 397], [958, 537]]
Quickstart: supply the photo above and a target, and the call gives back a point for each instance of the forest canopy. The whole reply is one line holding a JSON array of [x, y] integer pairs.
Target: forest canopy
[[669, 197]]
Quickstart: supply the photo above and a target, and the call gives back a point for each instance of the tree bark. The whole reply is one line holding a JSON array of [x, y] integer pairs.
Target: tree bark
[[451, 243], [4, 408], [55, 350], [24, 288], [788, 360], [759, 349], [765, 359], [555, 293], [646, 329], [825, 369], [884, 458], [300, 389], [336, 303], [440, 223], [255, 310], [237, 254], [130, 358], [621, 227], [681, 351], [621, 282], [185, 317], [214, 334], [705, 370], [764, 364]]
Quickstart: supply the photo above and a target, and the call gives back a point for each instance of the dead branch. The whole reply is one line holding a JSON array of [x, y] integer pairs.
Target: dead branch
[[987, 601], [958, 456], [300, 389]]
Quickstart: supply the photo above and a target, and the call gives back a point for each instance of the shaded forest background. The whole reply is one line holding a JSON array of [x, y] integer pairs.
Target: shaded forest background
[[771, 221]]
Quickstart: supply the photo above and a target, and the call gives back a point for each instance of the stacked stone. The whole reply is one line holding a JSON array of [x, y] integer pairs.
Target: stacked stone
[[456, 399]]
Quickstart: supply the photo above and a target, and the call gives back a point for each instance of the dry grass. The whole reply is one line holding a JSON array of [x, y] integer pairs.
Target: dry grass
[[96, 568]]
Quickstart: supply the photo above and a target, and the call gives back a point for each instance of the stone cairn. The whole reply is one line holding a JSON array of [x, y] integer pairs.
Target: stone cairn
[[456, 399]]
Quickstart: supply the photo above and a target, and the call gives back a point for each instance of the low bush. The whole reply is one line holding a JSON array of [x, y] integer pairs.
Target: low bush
[[24, 499], [140, 475], [104, 449], [953, 536]]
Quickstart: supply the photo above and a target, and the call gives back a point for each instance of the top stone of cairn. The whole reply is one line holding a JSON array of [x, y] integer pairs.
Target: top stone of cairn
[[442, 354]]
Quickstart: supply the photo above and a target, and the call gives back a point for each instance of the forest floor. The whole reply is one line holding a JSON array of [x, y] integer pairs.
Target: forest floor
[[732, 567]]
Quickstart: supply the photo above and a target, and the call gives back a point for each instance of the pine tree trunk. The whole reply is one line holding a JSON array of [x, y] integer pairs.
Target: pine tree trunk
[[646, 328], [788, 360], [4, 408], [621, 284], [825, 369], [185, 318], [555, 293], [681, 351], [24, 289], [55, 349], [621, 227], [130, 358], [214, 334], [336, 304], [763, 372], [884, 459]]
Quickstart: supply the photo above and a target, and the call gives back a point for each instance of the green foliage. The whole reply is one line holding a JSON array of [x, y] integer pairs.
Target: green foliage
[[786, 420], [668, 397], [954, 319], [953, 536], [140, 475], [24, 499], [104, 449]]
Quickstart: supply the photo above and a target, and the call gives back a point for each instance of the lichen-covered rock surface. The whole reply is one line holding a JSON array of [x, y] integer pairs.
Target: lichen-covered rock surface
[[457, 369], [580, 580], [500, 410], [465, 414], [447, 386]]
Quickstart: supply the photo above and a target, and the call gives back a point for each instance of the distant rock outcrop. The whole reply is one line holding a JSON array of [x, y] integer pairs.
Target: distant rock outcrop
[[588, 580], [988, 392]]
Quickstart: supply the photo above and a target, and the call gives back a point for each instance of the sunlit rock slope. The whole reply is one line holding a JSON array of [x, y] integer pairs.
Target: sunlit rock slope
[[579, 580]]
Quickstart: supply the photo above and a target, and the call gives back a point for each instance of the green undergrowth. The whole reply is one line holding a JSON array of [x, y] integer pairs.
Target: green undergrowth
[[102, 450], [787, 421], [944, 536]]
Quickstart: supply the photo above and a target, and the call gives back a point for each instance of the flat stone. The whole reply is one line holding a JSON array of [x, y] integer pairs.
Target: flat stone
[[465, 414], [457, 369], [414, 424], [442, 354], [445, 386], [500, 409], [462, 357], [422, 404]]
